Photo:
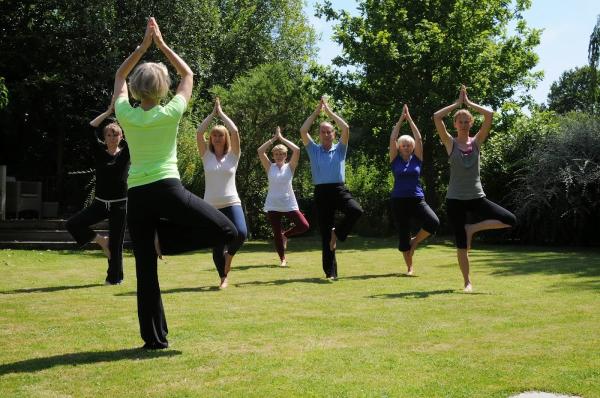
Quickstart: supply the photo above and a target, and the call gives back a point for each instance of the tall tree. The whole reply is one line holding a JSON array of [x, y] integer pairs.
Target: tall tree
[[573, 91], [419, 52], [594, 61], [59, 58]]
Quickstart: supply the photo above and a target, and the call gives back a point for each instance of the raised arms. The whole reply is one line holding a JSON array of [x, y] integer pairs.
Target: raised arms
[[153, 34], [187, 76], [438, 119], [341, 123], [486, 126], [304, 130], [201, 130], [101, 117], [120, 87], [416, 133], [233, 130], [393, 149]]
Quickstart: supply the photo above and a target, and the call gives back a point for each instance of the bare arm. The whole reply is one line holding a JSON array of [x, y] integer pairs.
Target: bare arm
[[393, 149], [262, 153], [416, 134], [295, 149], [101, 117], [233, 130], [341, 123], [484, 131], [187, 76], [120, 87], [306, 138], [438, 119], [201, 130]]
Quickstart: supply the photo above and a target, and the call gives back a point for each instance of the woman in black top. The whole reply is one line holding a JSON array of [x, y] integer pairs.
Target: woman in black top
[[110, 201]]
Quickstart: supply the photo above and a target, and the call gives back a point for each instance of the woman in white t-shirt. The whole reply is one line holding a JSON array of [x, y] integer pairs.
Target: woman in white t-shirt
[[281, 200], [220, 156]]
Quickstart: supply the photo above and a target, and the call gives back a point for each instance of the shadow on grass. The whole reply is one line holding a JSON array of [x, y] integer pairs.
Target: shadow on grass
[[82, 358], [418, 295], [235, 268], [514, 260], [321, 281], [197, 289], [50, 289]]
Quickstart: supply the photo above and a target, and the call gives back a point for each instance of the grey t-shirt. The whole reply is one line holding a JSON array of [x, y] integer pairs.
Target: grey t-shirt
[[465, 183]]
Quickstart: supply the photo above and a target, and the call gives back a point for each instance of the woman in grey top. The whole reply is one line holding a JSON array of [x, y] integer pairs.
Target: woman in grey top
[[465, 193]]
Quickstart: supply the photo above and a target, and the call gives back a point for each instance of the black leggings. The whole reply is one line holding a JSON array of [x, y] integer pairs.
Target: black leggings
[[79, 227], [403, 209], [483, 208], [184, 222], [329, 198]]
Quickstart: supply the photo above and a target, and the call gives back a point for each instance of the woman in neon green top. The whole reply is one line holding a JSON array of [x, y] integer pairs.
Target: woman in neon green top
[[158, 205]]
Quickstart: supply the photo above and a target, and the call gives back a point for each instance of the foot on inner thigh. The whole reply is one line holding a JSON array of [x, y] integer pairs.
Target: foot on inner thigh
[[333, 240], [103, 242], [157, 246], [285, 241], [413, 246], [469, 231], [228, 259]]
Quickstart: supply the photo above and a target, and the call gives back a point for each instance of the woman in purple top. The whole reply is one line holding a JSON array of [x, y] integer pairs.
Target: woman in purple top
[[406, 158], [465, 192]]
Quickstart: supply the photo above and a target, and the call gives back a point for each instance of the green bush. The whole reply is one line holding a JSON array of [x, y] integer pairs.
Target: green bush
[[557, 194]]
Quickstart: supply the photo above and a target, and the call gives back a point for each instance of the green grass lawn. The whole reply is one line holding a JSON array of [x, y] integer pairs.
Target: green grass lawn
[[532, 323]]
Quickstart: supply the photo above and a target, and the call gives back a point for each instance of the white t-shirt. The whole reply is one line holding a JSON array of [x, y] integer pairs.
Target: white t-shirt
[[219, 176], [281, 195]]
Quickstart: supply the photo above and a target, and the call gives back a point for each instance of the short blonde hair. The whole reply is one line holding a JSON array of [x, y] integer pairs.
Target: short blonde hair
[[150, 80], [463, 112], [221, 129], [406, 138], [279, 148], [114, 126]]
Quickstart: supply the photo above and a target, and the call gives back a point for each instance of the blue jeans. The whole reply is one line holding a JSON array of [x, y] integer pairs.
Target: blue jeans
[[236, 215]]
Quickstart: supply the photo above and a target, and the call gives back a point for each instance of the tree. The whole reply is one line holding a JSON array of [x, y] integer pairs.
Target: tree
[[419, 52], [573, 91], [593, 61], [59, 60]]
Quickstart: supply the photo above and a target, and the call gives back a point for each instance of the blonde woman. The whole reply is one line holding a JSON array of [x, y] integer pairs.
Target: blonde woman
[[408, 200], [465, 192], [220, 157], [281, 201], [158, 204]]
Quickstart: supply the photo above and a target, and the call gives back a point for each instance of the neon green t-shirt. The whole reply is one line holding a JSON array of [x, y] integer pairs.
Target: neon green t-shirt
[[152, 139]]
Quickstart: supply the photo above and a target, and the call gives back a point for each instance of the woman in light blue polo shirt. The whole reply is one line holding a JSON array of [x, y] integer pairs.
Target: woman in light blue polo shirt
[[327, 164]]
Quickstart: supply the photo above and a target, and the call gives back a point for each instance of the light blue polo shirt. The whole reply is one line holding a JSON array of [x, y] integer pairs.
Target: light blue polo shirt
[[327, 167]]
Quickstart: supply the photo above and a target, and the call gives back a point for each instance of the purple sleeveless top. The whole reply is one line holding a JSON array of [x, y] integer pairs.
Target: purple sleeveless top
[[406, 177]]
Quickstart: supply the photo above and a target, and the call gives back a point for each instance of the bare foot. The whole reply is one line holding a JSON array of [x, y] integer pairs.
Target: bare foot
[[410, 270], [283, 263], [469, 231], [224, 283], [157, 246], [468, 288], [102, 241], [333, 240], [285, 240]]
